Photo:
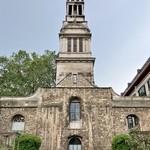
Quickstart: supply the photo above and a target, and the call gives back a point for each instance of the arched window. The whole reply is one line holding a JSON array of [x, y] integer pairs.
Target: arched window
[[75, 144], [74, 110], [132, 121], [18, 123]]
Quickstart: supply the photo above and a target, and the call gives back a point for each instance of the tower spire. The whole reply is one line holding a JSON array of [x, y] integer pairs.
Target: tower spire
[[75, 8], [75, 51]]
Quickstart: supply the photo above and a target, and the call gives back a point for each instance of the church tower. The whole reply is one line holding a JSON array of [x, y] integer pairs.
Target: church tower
[[75, 64]]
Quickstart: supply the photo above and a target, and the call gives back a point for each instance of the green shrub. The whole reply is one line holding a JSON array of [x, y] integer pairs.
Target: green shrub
[[139, 140], [27, 142], [120, 142]]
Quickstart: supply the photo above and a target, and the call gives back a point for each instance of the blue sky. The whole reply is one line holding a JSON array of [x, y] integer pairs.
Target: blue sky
[[120, 33]]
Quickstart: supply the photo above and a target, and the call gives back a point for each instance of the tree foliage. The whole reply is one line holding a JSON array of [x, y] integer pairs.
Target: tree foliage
[[139, 140], [120, 142], [27, 142], [22, 73], [136, 140]]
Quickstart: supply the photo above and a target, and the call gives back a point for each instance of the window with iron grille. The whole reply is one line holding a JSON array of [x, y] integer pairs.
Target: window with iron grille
[[74, 111], [18, 123], [132, 121], [75, 144]]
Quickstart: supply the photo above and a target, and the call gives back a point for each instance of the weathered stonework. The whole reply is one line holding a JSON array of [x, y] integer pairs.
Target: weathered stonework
[[95, 115], [103, 115], [46, 113], [82, 81]]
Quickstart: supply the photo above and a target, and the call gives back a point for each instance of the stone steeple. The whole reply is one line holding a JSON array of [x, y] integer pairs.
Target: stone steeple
[[75, 61], [75, 10]]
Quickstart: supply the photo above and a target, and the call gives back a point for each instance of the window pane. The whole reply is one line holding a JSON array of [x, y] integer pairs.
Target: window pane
[[80, 9], [75, 147], [77, 116], [70, 9], [80, 45], [69, 45], [74, 111], [72, 107], [75, 144], [18, 126], [71, 147], [142, 91], [18, 123], [74, 79], [77, 107], [132, 121], [79, 147], [148, 82], [75, 45], [72, 116]]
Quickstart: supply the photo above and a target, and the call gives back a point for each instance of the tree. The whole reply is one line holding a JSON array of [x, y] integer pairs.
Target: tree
[[140, 140], [27, 142], [120, 142], [136, 140], [21, 74]]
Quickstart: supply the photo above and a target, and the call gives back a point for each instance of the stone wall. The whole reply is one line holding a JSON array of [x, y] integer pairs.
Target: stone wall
[[124, 106], [103, 115], [120, 114], [82, 81], [79, 65], [96, 110], [7, 114]]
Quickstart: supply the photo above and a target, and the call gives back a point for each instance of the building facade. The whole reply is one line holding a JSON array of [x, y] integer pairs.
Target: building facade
[[140, 85], [74, 115]]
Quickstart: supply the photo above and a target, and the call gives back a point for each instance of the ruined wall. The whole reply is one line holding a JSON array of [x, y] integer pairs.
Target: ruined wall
[[125, 106], [10, 107], [8, 113], [120, 123], [6, 116], [96, 131], [103, 115]]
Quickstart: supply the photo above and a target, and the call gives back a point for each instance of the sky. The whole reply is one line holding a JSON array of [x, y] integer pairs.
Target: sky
[[120, 34]]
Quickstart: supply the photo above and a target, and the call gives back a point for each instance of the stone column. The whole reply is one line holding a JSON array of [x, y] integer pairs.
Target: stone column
[[65, 41], [71, 44], [77, 9], [84, 44], [60, 44], [67, 10], [89, 45], [82, 10]]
